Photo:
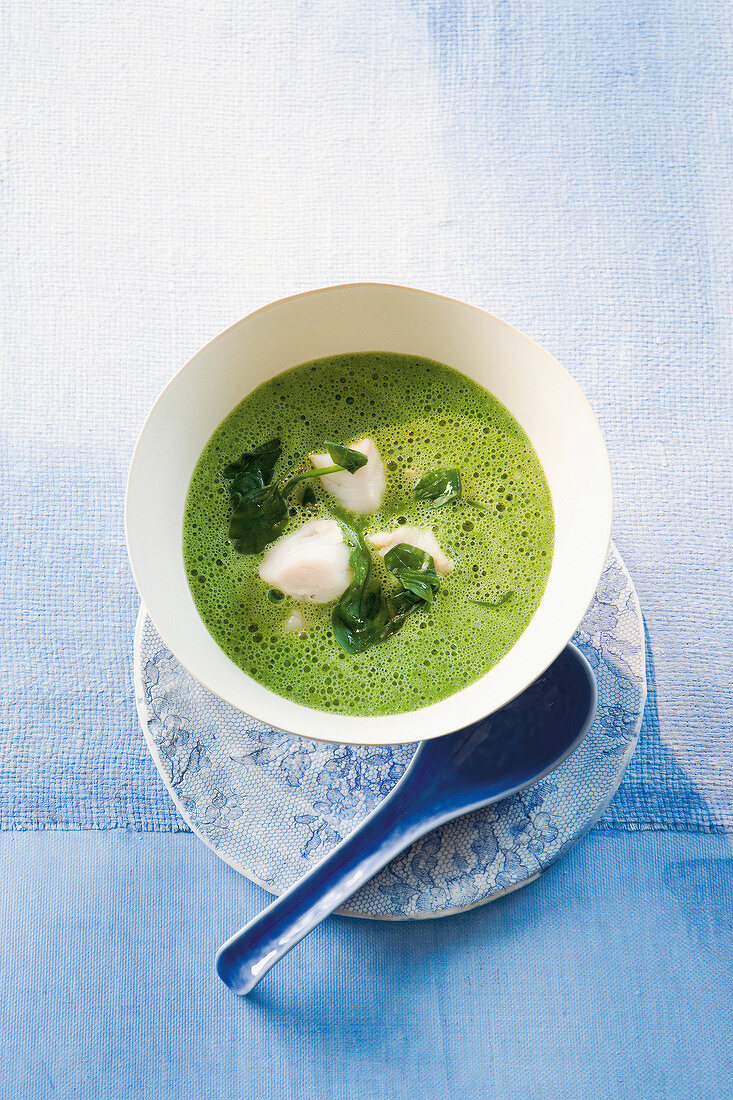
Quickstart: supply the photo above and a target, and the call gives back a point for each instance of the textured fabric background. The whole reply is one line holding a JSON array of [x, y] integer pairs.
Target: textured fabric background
[[168, 169], [594, 983]]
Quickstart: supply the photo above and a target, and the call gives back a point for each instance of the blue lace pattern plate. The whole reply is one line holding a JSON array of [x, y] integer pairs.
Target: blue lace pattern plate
[[272, 805]]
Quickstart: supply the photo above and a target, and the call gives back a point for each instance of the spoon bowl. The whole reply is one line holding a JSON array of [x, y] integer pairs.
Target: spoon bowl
[[447, 777]]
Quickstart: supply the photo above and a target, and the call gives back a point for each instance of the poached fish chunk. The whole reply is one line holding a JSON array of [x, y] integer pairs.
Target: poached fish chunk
[[311, 564], [296, 622], [362, 491], [420, 537]]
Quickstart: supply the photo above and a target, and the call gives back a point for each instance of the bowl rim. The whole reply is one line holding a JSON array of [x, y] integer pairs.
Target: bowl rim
[[402, 716]]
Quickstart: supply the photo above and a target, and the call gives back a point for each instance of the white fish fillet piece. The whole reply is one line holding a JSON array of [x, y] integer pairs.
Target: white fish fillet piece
[[421, 537], [312, 564], [362, 491], [295, 622]]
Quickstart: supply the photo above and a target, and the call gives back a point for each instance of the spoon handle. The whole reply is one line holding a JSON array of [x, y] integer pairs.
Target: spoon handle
[[448, 776], [245, 958]]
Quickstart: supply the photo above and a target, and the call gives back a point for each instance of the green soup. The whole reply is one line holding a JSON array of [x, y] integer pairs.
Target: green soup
[[421, 415]]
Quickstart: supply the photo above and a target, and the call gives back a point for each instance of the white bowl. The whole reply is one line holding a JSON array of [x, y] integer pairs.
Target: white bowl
[[370, 317]]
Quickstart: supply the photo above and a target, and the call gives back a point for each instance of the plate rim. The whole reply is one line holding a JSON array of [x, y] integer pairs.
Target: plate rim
[[344, 911]]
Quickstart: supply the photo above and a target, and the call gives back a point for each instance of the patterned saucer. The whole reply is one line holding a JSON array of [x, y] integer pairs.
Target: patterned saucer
[[272, 805]]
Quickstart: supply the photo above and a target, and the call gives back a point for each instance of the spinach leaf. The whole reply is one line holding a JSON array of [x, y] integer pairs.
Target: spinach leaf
[[308, 499], [415, 570], [361, 613], [252, 471], [258, 520], [493, 603], [345, 461], [438, 487], [259, 513], [345, 457], [365, 616]]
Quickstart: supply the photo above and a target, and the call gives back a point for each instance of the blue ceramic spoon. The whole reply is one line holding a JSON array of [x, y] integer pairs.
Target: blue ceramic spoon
[[447, 776]]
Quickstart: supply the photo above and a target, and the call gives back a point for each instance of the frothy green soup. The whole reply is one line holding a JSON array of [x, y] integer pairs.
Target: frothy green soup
[[421, 415]]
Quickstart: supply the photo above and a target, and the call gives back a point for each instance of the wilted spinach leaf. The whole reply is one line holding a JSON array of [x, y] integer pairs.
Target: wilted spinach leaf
[[345, 461], [365, 616], [258, 520], [259, 512], [415, 570], [308, 499], [493, 603], [345, 457], [438, 487], [252, 471], [360, 616]]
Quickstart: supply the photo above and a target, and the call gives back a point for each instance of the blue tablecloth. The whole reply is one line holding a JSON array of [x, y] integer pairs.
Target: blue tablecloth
[[609, 978], [169, 169]]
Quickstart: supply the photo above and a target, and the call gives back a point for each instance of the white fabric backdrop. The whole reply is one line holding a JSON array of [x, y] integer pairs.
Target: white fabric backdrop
[[566, 166]]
